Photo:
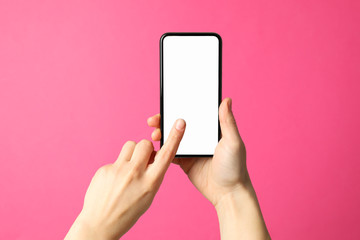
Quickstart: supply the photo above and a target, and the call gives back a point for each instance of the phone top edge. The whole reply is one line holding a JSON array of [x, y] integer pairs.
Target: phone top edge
[[190, 34]]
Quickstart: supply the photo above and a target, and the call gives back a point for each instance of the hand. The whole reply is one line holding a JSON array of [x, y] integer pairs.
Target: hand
[[224, 180], [121, 192], [226, 171]]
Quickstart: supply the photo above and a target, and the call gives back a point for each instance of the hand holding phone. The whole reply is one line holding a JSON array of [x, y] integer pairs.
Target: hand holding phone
[[224, 180]]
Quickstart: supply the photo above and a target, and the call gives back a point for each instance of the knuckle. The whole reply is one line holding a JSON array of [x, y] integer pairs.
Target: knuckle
[[174, 139], [130, 143], [104, 170], [146, 144], [175, 135], [235, 145]]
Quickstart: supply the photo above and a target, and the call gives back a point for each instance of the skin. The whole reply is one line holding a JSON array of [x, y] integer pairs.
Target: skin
[[224, 180], [121, 192]]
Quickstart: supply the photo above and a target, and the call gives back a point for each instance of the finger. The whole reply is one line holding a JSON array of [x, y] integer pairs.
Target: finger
[[154, 121], [156, 135], [228, 126], [126, 152], [168, 151], [142, 154], [185, 163]]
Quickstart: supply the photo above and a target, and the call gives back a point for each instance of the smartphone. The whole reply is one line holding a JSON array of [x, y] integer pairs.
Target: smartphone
[[190, 88]]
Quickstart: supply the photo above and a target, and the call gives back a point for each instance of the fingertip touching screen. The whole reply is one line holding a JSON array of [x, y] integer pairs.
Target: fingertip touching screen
[[191, 90]]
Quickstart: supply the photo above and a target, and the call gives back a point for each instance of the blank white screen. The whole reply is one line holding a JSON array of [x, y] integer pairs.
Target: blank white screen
[[191, 91]]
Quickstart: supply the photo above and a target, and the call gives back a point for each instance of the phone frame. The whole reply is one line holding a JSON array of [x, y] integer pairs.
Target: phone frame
[[162, 84]]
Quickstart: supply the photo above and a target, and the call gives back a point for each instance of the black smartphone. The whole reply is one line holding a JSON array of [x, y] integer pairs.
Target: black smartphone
[[190, 88]]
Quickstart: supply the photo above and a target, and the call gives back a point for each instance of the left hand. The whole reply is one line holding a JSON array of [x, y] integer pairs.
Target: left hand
[[225, 172]]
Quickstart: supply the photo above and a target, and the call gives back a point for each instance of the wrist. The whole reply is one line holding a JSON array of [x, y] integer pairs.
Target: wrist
[[235, 200], [240, 216], [83, 229]]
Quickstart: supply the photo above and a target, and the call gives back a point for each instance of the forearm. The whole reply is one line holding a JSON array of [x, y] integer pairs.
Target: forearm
[[240, 216]]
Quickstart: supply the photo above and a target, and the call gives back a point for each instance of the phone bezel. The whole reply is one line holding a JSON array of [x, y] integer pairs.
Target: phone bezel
[[162, 83]]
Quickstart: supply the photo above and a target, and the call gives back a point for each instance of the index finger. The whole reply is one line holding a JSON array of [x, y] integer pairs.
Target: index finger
[[168, 151]]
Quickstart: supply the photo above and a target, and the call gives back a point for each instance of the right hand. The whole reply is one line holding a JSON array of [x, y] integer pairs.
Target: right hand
[[226, 171], [121, 192]]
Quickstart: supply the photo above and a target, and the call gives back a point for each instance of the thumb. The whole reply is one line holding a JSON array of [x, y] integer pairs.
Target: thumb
[[228, 126]]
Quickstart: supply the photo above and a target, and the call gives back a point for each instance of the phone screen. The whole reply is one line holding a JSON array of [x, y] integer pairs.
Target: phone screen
[[190, 66]]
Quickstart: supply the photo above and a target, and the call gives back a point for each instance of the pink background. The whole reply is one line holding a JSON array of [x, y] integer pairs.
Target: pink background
[[79, 78]]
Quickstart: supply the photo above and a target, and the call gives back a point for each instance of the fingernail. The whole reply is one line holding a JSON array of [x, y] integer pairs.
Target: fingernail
[[230, 104], [180, 124]]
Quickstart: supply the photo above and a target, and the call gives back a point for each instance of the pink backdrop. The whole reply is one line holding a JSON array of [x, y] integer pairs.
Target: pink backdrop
[[79, 78]]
